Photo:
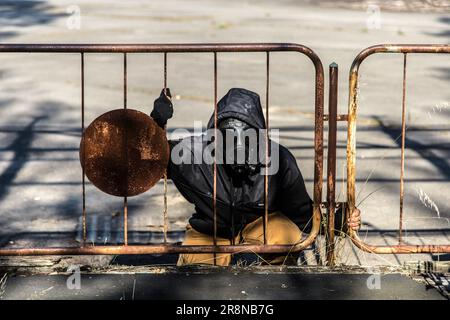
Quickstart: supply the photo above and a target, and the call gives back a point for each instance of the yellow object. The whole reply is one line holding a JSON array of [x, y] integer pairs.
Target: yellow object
[[280, 230]]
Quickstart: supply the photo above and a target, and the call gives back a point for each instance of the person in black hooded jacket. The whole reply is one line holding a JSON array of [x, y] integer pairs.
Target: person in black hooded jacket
[[240, 186]]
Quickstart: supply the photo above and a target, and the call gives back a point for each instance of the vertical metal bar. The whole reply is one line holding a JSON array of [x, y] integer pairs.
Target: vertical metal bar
[[266, 174], [125, 80], [165, 72], [351, 141], [84, 150], [215, 152], [402, 161], [331, 161], [165, 228], [318, 145], [125, 198], [125, 220]]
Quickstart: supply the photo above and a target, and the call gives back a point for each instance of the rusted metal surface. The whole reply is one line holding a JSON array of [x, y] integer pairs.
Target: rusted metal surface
[[152, 249], [83, 174], [160, 48], [129, 173], [351, 143], [125, 220], [402, 157], [398, 249], [215, 160], [165, 212], [318, 152], [266, 153], [125, 153], [331, 162], [119, 166]]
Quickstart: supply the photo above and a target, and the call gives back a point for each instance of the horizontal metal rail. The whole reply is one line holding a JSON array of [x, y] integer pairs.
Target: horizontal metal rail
[[162, 48], [152, 249], [351, 146], [87, 249]]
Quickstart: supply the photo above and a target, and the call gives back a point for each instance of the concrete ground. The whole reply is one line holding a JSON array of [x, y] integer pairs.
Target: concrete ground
[[40, 175], [218, 286]]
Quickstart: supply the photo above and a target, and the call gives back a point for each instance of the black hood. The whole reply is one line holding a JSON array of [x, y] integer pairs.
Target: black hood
[[241, 104], [238, 204]]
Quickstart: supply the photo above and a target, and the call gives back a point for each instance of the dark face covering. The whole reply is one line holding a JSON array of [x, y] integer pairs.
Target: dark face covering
[[240, 147]]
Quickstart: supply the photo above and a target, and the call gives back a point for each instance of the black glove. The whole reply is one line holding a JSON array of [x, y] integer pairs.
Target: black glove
[[162, 108]]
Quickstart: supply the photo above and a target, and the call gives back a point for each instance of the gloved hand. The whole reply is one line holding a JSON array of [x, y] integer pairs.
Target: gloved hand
[[162, 108]]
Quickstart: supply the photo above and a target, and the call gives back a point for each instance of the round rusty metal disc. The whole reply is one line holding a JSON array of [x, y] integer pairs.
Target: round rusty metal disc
[[124, 152]]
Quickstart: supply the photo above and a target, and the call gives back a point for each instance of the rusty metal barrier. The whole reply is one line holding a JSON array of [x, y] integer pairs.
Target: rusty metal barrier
[[351, 146], [165, 49]]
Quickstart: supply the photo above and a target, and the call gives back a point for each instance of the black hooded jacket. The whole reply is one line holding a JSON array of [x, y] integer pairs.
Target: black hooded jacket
[[238, 202]]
